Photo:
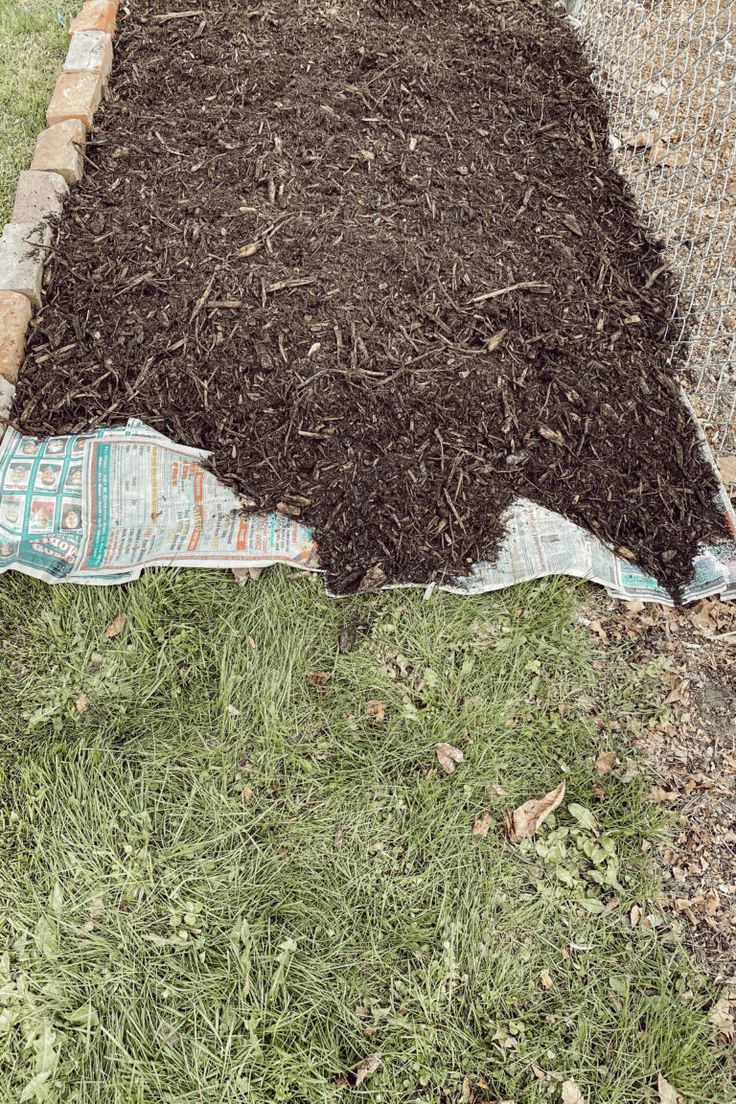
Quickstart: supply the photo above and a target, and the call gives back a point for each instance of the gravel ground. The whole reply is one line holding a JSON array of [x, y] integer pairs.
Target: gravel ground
[[668, 70]]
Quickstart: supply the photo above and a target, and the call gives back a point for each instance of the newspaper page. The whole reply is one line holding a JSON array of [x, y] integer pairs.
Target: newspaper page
[[98, 508]]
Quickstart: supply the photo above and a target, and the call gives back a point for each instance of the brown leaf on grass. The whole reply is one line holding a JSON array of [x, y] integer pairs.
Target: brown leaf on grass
[[605, 762], [448, 757], [81, 704], [376, 710], [525, 820], [722, 1019], [571, 1093], [667, 1093], [545, 978], [481, 825], [318, 678], [116, 626], [366, 1068]]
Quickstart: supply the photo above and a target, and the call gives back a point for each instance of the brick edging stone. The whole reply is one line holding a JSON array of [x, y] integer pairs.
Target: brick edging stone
[[58, 163]]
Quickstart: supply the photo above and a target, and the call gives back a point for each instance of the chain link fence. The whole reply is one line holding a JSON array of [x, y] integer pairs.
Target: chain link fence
[[667, 70]]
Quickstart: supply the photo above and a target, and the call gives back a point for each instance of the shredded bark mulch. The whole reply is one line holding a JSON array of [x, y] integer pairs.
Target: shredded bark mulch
[[374, 256]]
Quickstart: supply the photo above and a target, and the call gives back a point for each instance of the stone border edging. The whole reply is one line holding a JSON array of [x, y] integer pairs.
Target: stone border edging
[[58, 162]]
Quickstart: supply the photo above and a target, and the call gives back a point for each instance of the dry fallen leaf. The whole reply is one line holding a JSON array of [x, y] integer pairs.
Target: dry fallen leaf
[[605, 762], [481, 825], [318, 678], [366, 1068], [702, 615], [668, 1094], [116, 626], [546, 979], [635, 915], [525, 820], [448, 757], [571, 1093], [596, 627], [722, 1019], [727, 465], [712, 902], [641, 139], [233, 711], [81, 704], [670, 159], [658, 795], [376, 709]]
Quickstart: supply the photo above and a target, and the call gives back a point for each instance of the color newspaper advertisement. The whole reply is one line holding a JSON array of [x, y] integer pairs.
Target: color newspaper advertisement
[[99, 508]]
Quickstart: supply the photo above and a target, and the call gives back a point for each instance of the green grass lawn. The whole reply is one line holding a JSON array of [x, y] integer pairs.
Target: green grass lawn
[[33, 41], [233, 870]]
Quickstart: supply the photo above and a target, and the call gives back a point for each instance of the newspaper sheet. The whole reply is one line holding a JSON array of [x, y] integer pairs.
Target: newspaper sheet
[[99, 508]]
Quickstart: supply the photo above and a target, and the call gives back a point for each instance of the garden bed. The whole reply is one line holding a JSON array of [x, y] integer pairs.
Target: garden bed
[[375, 258]]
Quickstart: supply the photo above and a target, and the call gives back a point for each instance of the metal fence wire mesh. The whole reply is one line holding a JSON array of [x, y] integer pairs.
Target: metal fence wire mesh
[[667, 71]]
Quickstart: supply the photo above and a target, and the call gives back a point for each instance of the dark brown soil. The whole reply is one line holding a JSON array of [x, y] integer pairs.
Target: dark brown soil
[[374, 256]]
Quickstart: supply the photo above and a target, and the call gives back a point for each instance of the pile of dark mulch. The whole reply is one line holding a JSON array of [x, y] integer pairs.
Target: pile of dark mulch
[[374, 256]]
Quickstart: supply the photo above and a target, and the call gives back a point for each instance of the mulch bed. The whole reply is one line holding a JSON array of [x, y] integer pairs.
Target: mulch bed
[[374, 256]]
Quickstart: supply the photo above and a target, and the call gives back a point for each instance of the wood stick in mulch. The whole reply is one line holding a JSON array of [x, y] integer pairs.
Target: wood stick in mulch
[[375, 257]]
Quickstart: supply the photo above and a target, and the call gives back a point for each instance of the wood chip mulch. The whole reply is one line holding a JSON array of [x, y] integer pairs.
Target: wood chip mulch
[[374, 256]]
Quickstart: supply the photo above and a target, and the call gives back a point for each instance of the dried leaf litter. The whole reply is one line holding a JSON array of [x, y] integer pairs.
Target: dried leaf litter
[[374, 256]]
